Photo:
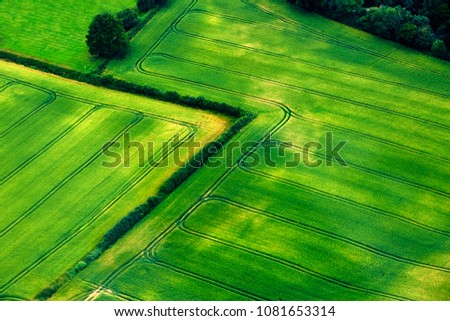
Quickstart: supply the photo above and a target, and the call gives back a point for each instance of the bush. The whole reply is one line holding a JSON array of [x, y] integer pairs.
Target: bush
[[438, 49], [106, 37], [424, 38], [145, 5], [407, 33], [129, 19], [385, 21], [345, 10]]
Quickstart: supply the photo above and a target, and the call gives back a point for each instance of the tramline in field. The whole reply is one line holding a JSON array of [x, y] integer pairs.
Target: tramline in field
[[371, 225], [69, 199], [377, 229]]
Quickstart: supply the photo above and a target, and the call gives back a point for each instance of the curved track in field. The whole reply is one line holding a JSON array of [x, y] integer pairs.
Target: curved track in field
[[149, 252], [132, 182], [191, 131], [339, 42], [294, 114], [346, 200], [51, 98], [310, 91], [293, 265], [50, 144], [334, 236], [319, 66]]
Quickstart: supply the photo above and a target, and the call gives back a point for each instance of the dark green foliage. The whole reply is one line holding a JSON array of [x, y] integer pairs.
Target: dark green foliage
[[439, 49], [344, 10], [145, 5], [129, 19], [124, 86], [409, 22], [312, 5], [106, 37], [385, 21], [407, 33], [424, 38]]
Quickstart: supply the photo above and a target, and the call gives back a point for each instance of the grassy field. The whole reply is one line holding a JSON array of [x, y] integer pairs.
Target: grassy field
[[53, 31], [378, 229], [57, 197]]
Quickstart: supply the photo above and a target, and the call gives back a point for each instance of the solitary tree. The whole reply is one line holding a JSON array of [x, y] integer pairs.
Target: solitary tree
[[106, 37]]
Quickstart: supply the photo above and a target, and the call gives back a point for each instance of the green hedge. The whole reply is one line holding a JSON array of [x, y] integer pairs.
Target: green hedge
[[124, 86]]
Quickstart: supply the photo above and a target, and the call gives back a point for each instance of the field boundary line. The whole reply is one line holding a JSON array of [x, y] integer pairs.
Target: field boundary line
[[122, 108], [296, 115]]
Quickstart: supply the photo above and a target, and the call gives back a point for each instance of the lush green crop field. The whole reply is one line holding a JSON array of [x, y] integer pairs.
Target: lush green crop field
[[53, 31], [377, 229], [57, 197]]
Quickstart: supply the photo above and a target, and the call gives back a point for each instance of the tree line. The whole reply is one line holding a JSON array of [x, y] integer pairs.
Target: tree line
[[109, 34], [420, 24]]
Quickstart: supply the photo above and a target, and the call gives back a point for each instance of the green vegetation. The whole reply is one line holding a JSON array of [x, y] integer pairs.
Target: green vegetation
[[246, 229], [57, 130], [415, 23], [375, 230], [106, 37], [53, 31]]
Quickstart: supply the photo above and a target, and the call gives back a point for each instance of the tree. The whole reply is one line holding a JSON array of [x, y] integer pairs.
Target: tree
[[146, 5], [106, 37], [407, 33], [424, 38], [345, 10], [129, 19], [439, 49], [312, 5], [385, 21]]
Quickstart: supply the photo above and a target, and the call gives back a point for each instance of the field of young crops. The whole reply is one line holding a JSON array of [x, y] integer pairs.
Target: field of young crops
[[56, 194], [377, 229], [53, 31]]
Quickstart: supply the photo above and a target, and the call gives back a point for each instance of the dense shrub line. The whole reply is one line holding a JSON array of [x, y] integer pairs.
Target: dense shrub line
[[143, 210], [420, 24], [121, 85]]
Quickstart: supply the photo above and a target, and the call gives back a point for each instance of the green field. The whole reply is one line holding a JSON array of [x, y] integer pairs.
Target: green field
[[52, 133], [378, 229], [52, 31]]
